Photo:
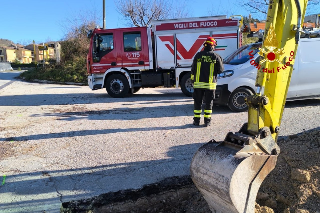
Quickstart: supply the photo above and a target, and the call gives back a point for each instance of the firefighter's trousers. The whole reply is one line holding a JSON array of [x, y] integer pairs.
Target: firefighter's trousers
[[207, 96]]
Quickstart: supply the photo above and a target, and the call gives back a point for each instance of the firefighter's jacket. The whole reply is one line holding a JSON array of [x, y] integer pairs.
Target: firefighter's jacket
[[205, 67]]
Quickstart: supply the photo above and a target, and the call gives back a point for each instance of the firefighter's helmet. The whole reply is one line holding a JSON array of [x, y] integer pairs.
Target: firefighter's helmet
[[210, 41]]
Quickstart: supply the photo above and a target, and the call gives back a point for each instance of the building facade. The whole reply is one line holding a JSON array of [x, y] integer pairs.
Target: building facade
[[23, 55], [30, 53], [315, 18]]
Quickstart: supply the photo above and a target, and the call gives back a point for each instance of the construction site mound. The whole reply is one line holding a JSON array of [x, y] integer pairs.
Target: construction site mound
[[294, 185]]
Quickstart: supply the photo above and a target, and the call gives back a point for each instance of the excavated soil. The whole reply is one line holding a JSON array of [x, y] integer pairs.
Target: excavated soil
[[293, 187]]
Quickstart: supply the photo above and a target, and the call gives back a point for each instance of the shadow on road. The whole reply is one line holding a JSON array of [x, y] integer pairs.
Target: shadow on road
[[44, 187], [83, 98], [303, 103], [132, 111], [91, 132]]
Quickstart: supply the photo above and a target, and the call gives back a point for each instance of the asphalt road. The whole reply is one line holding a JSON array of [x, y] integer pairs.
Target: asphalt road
[[64, 142]]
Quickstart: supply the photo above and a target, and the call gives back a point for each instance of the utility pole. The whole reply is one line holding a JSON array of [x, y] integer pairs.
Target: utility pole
[[34, 53], [43, 55], [104, 14]]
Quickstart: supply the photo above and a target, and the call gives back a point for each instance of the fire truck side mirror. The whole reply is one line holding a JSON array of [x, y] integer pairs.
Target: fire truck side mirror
[[95, 44], [89, 34]]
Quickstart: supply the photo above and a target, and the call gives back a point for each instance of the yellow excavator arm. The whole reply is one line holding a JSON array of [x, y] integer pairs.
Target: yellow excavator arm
[[280, 41], [229, 173]]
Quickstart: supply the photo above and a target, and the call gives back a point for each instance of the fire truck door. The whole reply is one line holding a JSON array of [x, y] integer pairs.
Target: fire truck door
[[106, 50], [135, 49]]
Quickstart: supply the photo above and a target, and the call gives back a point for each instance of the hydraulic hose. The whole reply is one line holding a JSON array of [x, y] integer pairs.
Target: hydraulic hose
[[297, 37]]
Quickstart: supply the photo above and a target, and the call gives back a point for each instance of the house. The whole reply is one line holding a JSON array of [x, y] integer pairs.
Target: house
[[315, 18], [9, 54], [254, 27], [309, 25], [259, 26], [14, 53], [50, 50], [24, 55], [2, 55]]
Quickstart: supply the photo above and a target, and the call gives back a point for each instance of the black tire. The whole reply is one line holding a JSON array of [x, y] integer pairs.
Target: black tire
[[135, 89], [237, 101], [186, 85], [117, 86]]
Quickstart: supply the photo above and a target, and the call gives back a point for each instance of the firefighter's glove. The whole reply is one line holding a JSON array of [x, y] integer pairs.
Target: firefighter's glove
[[192, 78]]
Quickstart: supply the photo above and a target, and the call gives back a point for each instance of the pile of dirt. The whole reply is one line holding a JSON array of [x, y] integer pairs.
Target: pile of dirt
[[292, 187]]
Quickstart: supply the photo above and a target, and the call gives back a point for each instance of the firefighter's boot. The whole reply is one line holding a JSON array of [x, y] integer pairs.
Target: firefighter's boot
[[207, 117], [196, 117], [196, 121], [207, 122]]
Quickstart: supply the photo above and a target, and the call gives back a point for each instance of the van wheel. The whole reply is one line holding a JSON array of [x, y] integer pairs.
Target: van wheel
[[186, 85], [237, 101], [117, 86]]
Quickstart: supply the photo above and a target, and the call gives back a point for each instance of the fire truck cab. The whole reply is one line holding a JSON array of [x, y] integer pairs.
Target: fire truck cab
[[127, 59]]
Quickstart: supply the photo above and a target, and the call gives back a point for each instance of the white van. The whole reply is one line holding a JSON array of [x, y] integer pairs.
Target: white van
[[238, 80]]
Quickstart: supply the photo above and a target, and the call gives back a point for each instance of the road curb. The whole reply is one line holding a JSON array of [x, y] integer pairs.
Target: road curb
[[53, 82]]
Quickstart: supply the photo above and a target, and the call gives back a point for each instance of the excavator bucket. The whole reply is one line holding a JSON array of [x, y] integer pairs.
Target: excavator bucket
[[229, 177]]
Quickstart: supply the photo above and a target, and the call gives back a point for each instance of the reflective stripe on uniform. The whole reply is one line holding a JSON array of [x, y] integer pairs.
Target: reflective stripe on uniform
[[198, 71], [192, 77], [203, 85], [208, 111], [211, 72], [197, 111], [197, 115], [207, 116]]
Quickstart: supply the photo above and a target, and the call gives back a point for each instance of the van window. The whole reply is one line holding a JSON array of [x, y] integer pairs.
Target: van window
[[241, 55], [132, 41], [306, 54]]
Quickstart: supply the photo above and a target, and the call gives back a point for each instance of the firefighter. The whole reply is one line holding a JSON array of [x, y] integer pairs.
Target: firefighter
[[205, 67]]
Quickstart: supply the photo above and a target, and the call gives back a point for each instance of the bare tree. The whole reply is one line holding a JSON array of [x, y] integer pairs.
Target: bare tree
[[261, 6], [75, 44], [222, 7], [141, 12]]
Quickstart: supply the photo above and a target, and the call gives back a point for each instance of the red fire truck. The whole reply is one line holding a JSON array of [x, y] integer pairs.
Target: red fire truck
[[127, 59]]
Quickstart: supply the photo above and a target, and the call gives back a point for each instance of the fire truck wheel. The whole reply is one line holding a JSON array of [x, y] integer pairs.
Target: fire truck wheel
[[237, 101], [117, 86], [135, 90], [186, 85]]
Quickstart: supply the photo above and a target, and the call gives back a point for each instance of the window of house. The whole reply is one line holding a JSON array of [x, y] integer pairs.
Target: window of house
[[132, 41]]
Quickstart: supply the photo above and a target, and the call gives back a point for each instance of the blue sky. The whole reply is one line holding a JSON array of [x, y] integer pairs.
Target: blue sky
[[24, 21]]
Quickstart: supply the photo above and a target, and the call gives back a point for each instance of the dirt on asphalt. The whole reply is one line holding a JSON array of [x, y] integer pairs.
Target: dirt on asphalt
[[292, 187]]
